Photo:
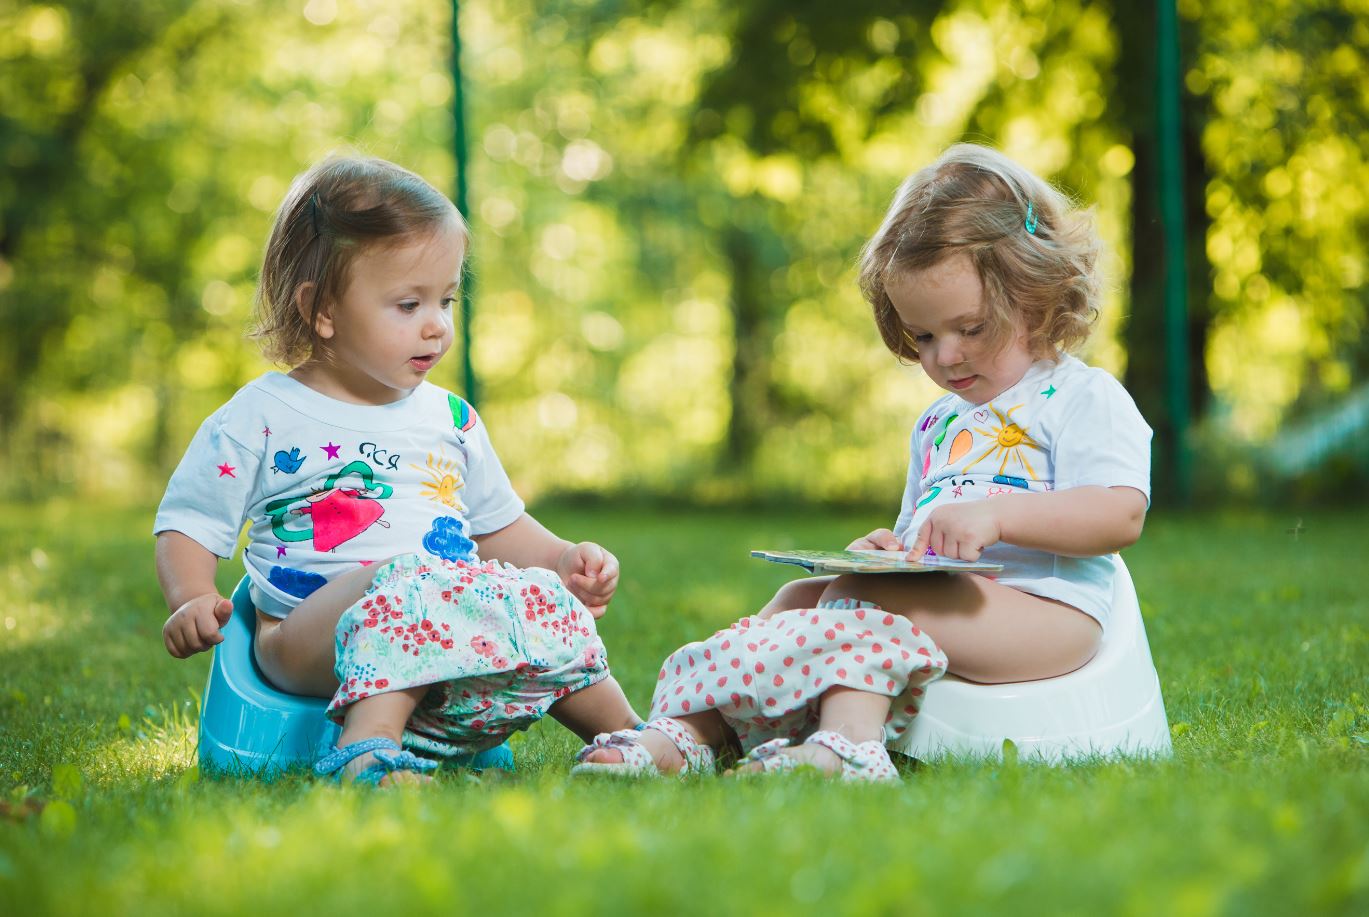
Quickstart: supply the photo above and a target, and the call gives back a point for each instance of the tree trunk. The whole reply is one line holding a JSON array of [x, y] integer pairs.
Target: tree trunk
[[750, 358], [1143, 330]]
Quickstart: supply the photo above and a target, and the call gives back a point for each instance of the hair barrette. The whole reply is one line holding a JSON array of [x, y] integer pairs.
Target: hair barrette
[[1031, 219]]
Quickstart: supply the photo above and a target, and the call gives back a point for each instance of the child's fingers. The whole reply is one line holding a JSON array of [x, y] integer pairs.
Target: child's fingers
[[593, 590], [207, 633], [922, 542], [609, 571], [172, 638], [223, 610], [591, 557], [886, 540]]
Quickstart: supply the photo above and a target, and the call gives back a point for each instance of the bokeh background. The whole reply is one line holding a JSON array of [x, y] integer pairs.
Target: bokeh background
[[668, 199]]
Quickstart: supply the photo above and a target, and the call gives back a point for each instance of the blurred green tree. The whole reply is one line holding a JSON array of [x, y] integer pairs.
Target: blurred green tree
[[667, 199]]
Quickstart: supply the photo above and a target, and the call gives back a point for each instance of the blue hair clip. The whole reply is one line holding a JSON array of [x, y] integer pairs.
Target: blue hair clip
[[1031, 219]]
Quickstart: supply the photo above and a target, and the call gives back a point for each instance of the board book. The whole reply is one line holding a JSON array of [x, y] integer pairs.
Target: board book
[[872, 562]]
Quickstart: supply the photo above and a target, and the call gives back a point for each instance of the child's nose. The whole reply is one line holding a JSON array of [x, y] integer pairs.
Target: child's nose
[[949, 353], [436, 325]]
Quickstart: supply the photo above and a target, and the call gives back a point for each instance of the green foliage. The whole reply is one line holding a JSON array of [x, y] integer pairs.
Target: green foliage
[[1259, 635], [1289, 216], [667, 202]]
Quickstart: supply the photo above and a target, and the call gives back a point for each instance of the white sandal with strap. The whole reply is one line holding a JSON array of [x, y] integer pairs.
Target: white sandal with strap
[[637, 761], [867, 762], [771, 758]]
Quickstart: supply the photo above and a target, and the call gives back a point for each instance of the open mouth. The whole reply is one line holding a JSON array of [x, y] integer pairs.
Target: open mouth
[[423, 363]]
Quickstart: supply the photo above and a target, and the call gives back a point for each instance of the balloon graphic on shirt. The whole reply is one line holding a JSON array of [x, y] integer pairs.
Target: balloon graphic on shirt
[[463, 415], [347, 505], [959, 446], [936, 443]]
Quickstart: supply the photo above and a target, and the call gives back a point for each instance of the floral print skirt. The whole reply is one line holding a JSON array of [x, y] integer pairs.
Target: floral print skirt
[[766, 676], [498, 644]]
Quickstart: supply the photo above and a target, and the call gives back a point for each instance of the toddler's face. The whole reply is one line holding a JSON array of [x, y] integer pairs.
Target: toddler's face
[[943, 314], [393, 322]]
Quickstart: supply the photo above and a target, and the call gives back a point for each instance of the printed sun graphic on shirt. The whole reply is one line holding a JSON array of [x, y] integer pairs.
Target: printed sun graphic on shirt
[[347, 505], [444, 480], [1009, 439]]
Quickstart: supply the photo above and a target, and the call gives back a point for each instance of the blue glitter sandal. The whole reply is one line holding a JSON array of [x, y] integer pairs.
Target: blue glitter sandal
[[390, 757]]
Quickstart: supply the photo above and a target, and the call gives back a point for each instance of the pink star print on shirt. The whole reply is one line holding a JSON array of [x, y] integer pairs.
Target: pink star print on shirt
[[331, 449]]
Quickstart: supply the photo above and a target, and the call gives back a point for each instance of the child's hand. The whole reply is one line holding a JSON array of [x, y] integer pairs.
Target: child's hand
[[590, 573], [195, 626], [878, 540], [960, 531]]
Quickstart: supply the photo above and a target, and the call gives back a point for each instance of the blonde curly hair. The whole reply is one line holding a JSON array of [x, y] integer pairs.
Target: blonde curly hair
[[1035, 252], [342, 206]]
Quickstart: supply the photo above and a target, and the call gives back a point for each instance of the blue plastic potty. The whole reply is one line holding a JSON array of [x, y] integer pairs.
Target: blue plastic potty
[[249, 727]]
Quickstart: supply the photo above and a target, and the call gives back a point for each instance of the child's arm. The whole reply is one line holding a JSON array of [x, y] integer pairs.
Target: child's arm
[[1079, 522], [589, 571], [185, 568]]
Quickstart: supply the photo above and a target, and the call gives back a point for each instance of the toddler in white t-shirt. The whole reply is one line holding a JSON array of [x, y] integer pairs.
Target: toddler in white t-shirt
[[391, 563], [983, 274]]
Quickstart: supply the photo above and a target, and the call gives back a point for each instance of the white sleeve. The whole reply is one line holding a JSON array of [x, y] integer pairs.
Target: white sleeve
[[491, 501], [1104, 441], [912, 488], [207, 496]]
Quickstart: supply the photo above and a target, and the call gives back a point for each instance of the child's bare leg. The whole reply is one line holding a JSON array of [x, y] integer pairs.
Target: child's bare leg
[[989, 632], [297, 653], [707, 728], [801, 593], [602, 707], [381, 715]]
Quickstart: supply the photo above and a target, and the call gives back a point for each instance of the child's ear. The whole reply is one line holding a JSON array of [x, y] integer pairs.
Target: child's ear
[[322, 317]]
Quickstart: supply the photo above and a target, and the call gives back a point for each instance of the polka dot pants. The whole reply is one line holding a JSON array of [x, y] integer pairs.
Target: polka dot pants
[[766, 676]]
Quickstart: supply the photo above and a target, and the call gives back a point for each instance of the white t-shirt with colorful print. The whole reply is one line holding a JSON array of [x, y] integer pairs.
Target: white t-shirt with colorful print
[[328, 485], [1063, 425]]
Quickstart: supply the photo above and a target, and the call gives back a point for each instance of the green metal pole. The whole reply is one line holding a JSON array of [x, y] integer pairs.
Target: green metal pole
[[461, 150], [1171, 182]]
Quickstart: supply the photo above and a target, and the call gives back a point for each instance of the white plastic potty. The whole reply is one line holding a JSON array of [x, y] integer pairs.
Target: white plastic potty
[[1111, 706]]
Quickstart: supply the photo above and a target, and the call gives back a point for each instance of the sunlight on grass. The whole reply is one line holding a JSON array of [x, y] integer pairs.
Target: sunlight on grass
[[1258, 812]]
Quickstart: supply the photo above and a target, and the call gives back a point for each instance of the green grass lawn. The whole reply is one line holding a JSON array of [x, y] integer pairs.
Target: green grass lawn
[[1261, 637]]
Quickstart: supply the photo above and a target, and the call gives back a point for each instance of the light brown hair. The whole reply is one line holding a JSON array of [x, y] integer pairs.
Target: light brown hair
[[334, 211], [1039, 264]]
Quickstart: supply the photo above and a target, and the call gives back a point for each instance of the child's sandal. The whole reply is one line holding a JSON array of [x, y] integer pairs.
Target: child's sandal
[[866, 762], [771, 758], [637, 761], [390, 757]]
